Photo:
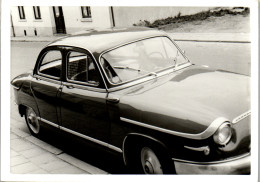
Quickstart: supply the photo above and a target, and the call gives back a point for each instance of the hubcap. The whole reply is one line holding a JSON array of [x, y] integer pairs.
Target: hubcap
[[150, 162], [32, 121]]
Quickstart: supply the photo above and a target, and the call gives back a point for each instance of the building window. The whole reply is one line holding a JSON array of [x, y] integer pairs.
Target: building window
[[37, 12], [21, 12], [86, 13]]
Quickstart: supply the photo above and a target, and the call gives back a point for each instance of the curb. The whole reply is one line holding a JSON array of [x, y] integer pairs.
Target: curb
[[175, 39], [30, 41], [217, 41]]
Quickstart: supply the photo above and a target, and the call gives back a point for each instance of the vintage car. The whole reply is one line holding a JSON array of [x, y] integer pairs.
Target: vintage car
[[134, 92]]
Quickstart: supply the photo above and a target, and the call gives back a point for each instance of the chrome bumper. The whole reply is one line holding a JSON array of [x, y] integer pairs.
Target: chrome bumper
[[240, 165]]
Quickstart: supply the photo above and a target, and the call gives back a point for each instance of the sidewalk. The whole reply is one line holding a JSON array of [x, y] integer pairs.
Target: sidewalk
[[30, 155], [197, 37]]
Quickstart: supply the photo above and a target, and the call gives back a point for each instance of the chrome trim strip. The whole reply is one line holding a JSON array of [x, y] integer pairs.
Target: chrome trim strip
[[15, 87], [240, 117], [213, 162], [200, 136], [46, 78], [81, 135], [130, 42], [115, 148], [85, 87], [199, 149], [123, 149], [148, 78], [48, 122], [91, 139]]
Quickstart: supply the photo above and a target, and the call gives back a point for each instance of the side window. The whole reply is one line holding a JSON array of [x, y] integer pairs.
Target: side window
[[81, 68], [51, 64]]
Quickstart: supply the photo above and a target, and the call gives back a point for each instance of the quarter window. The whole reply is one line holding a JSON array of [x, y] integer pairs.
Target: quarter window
[[86, 12], [21, 12], [37, 12], [51, 64], [81, 68]]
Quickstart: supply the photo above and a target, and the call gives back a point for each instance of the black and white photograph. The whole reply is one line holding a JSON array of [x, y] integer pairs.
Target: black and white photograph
[[129, 89]]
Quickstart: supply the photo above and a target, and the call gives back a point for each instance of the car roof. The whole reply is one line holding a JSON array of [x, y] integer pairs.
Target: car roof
[[99, 40]]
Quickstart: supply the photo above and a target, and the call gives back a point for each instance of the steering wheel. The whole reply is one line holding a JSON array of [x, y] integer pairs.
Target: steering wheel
[[159, 53], [74, 77]]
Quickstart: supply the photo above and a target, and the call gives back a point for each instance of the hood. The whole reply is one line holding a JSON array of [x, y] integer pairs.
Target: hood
[[188, 100]]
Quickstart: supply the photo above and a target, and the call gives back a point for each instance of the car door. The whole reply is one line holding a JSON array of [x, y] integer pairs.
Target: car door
[[46, 82], [83, 98]]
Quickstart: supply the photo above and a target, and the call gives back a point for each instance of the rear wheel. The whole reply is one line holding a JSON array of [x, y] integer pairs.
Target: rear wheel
[[32, 122]]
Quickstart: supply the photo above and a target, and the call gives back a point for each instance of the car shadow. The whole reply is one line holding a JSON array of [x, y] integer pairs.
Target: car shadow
[[85, 151]]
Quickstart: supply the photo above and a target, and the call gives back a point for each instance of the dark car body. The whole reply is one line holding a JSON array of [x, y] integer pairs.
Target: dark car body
[[176, 110]]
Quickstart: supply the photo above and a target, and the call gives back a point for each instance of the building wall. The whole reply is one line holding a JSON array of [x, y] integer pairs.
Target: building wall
[[127, 16], [101, 18], [47, 27], [74, 21], [43, 26]]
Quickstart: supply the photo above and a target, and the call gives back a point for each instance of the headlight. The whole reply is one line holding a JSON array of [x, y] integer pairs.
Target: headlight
[[223, 134]]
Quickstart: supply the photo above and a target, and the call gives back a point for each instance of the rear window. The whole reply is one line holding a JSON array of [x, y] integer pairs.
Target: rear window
[[51, 64]]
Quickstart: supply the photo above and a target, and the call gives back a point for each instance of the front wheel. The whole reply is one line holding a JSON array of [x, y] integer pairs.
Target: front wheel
[[150, 162], [154, 160], [32, 122]]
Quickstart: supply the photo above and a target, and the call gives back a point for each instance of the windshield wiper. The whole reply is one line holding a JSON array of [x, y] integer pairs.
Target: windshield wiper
[[128, 68], [135, 69]]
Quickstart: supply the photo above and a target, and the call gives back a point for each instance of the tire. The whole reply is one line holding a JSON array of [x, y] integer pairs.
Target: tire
[[154, 160], [32, 122]]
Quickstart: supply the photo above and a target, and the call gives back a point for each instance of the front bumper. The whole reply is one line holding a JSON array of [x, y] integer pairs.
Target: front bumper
[[240, 165]]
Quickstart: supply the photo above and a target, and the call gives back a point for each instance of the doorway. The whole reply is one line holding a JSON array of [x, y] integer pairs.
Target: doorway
[[59, 20]]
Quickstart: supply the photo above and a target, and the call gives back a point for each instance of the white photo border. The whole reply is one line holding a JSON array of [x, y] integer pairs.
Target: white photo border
[[5, 91]]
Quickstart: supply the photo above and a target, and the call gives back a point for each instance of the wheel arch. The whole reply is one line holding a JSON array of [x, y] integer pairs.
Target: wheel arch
[[22, 109]]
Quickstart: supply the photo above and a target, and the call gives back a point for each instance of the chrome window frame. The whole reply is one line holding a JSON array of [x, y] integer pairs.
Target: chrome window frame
[[94, 59], [146, 75], [75, 81], [40, 62]]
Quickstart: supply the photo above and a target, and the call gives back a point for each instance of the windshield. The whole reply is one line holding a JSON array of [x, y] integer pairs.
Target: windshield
[[144, 57]]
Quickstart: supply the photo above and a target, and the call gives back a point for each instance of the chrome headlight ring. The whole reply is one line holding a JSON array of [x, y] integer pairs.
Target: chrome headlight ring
[[223, 134]]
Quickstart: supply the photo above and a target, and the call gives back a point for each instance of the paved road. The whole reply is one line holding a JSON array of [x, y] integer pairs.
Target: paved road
[[56, 153]]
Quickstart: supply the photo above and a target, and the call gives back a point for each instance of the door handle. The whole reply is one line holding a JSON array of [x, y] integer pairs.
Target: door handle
[[69, 86], [113, 99], [37, 78]]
